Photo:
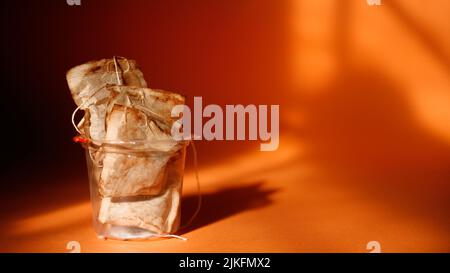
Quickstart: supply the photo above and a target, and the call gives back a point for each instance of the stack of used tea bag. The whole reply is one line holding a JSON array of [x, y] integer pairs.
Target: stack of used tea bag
[[137, 165]]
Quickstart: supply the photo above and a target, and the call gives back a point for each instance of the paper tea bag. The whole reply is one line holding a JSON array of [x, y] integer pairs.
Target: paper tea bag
[[84, 79], [158, 214], [87, 82], [133, 173]]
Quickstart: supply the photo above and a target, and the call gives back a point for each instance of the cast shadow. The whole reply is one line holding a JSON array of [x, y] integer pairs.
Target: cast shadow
[[224, 203], [421, 33]]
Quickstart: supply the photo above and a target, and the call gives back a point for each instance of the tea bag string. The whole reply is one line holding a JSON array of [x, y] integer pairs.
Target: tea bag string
[[82, 105], [118, 74], [199, 192], [170, 236], [119, 77]]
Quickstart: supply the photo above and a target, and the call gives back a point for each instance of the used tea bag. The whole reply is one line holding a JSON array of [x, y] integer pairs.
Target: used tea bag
[[87, 84], [84, 79], [158, 214], [131, 174], [138, 189]]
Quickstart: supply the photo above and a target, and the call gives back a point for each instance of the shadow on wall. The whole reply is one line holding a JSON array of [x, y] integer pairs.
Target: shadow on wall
[[360, 130], [433, 45]]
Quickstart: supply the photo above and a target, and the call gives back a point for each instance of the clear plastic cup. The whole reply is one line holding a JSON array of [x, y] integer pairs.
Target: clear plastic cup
[[135, 187]]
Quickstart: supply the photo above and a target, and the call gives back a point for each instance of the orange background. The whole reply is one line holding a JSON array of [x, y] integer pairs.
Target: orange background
[[364, 95]]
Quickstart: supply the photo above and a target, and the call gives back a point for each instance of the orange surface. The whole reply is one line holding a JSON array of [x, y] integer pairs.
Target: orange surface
[[364, 155], [265, 202]]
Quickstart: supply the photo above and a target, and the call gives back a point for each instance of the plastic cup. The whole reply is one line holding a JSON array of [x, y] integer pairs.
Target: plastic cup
[[152, 208]]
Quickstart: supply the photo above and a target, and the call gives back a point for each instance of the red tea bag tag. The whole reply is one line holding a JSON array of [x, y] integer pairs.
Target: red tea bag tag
[[80, 139]]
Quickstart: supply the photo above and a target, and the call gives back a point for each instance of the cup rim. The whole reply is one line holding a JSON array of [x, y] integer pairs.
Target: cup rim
[[136, 145]]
